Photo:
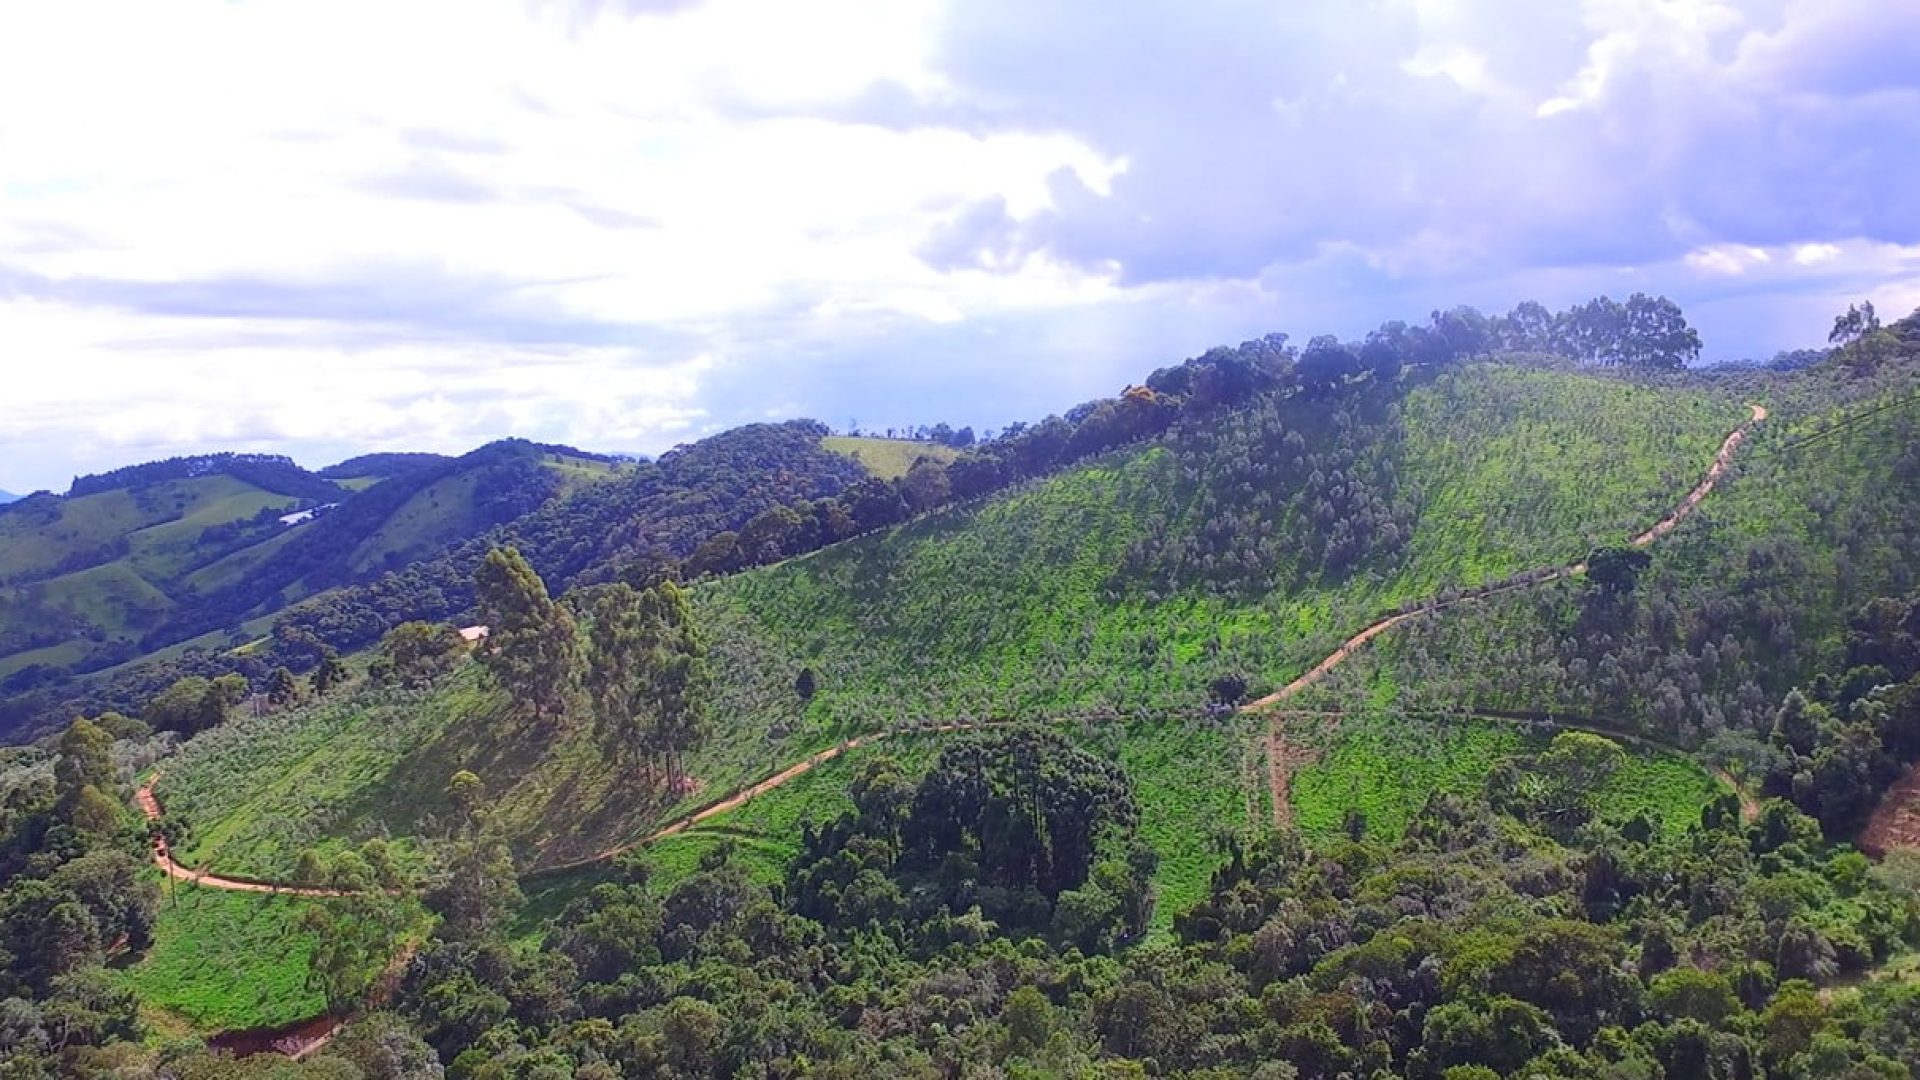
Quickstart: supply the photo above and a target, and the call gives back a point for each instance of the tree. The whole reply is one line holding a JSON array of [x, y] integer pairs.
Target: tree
[[1465, 331], [1592, 331], [1689, 993], [1617, 569], [329, 674], [1656, 335], [692, 1030], [309, 870], [1029, 1019], [1227, 690], [1502, 1034], [874, 503], [1326, 364], [353, 937], [769, 536], [1528, 328], [93, 812], [474, 890], [647, 671], [717, 554], [678, 680], [805, 685], [420, 652], [86, 758], [1859, 321], [282, 688], [194, 704], [617, 667], [926, 486], [1558, 787], [1030, 803], [531, 647]]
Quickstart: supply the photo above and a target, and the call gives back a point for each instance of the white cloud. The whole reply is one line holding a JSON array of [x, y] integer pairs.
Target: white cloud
[[1467, 69], [1815, 254], [429, 174], [427, 224], [1729, 259], [1671, 37]]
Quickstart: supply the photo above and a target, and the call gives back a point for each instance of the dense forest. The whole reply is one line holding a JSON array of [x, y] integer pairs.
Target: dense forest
[[983, 917]]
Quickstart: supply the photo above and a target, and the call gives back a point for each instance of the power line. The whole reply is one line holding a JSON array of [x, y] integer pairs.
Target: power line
[[1842, 426]]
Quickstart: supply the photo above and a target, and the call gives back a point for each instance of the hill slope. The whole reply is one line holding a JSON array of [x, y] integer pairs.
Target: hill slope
[[396, 538], [140, 559], [1117, 590]]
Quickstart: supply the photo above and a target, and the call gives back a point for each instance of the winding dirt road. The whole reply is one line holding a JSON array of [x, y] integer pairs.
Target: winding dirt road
[[1280, 755], [731, 802], [163, 858]]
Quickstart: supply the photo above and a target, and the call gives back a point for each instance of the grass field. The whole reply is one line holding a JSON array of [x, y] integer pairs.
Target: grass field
[[445, 511], [223, 961], [159, 522], [140, 543], [167, 550], [61, 655], [1388, 766], [231, 569], [436, 515], [887, 458]]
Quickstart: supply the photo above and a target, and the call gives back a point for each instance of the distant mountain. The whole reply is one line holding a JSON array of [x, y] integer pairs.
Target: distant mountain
[[211, 547], [381, 465], [214, 554], [7, 497]]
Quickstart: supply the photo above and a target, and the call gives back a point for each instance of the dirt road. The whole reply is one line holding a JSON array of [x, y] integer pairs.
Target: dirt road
[[1279, 753], [163, 858]]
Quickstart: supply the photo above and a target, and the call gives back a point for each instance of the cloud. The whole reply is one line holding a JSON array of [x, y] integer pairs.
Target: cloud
[[632, 220], [1728, 259], [1621, 132], [429, 180]]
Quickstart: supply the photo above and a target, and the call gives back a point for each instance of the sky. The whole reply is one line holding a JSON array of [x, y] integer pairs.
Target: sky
[[327, 229]]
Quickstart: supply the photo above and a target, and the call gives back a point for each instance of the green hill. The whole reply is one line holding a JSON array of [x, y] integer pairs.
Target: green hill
[[1749, 598], [1116, 592], [143, 562], [976, 786], [97, 571]]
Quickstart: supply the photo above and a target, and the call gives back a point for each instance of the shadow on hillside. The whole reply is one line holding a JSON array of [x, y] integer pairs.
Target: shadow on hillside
[[552, 788]]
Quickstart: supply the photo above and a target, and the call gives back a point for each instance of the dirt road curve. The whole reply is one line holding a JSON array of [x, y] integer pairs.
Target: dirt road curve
[[734, 801], [163, 859], [1279, 753], [741, 797]]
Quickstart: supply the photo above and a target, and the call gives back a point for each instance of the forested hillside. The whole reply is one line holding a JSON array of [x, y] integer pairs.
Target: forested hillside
[[1001, 764], [400, 542], [1239, 547]]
